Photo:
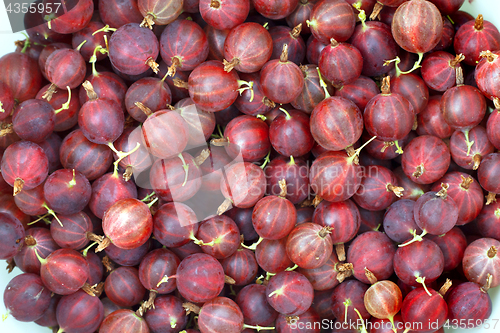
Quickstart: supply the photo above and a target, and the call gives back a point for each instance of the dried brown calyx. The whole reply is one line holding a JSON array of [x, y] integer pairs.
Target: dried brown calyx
[[50, 92], [6, 128], [344, 271], [316, 201], [397, 190], [224, 206], [176, 63], [267, 102], [191, 308], [325, 231], [149, 21], [492, 252], [459, 72], [284, 54], [18, 186], [202, 157], [29, 240], [370, 276], [487, 285], [95, 290], [91, 94], [490, 56], [443, 192], [180, 84], [340, 251], [491, 198], [478, 24], [147, 111], [295, 33], [376, 10], [385, 88], [458, 59], [419, 171], [446, 286], [283, 189], [229, 280], [229, 65], [465, 184], [476, 160], [154, 66], [215, 4]]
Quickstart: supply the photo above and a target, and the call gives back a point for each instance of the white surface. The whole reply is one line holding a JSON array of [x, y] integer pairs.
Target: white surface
[[491, 12]]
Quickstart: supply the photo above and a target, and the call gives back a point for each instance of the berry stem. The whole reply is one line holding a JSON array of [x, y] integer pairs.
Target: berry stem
[[42, 260], [258, 328], [185, 166], [249, 86], [323, 84], [288, 117], [51, 212], [416, 65], [421, 280], [416, 238], [65, 105], [267, 159], [254, 245], [467, 141]]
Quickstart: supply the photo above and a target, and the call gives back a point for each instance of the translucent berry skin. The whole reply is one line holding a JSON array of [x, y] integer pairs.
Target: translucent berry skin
[[27, 161], [22, 74], [251, 44], [480, 260], [26, 298], [281, 81], [126, 41], [33, 120], [74, 19], [228, 15], [488, 173], [417, 26], [332, 19], [65, 68], [294, 293], [64, 196], [375, 251], [487, 75], [79, 312], [12, 233], [163, 12], [435, 310], [212, 88], [331, 115], [65, 271], [124, 320], [434, 214], [468, 302], [128, 223], [200, 278], [185, 40], [470, 41], [431, 154]]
